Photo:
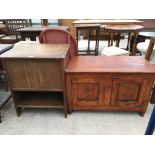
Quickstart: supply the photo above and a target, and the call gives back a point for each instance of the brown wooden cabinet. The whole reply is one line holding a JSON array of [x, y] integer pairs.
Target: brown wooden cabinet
[[109, 83], [35, 74]]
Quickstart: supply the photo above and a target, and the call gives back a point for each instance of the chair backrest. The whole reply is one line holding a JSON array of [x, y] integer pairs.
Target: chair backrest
[[59, 36], [150, 49], [147, 57]]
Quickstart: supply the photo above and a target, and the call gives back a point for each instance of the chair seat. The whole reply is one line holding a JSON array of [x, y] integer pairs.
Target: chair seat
[[143, 46], [114, 51], [83, 45]]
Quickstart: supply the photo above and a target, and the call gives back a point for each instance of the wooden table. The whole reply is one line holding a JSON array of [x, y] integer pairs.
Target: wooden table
[[89, 28], [109, 22], [4, 48], [113, 83], [36, 75], [33, 32], [129, 29]]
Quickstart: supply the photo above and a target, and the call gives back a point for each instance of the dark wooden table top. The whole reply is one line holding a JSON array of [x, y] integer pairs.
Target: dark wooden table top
[[108, 22], [36, 50], [112, 64], [41, 28], [5, 47]]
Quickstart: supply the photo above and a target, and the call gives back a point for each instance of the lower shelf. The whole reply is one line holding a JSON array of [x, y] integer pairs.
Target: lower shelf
[[39, 99]]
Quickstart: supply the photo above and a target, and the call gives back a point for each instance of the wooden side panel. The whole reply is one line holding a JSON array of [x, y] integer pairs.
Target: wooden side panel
[[34, 74]]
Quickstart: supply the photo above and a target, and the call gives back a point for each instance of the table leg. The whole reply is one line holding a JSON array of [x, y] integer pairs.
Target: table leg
[[111, 38], [129, 38], [97, 42], [118, 39], [88, 42], [133, 50], [22, 37], [33, 38], [77, 36]]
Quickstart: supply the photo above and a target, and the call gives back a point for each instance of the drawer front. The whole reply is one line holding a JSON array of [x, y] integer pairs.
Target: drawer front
[[34, 74]]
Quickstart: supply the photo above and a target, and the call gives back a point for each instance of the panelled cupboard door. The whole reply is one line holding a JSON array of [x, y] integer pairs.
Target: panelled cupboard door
[[91, 92], [129, 92]]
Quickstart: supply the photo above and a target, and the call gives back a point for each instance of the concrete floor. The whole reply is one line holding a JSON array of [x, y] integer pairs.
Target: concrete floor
[[52, 122]]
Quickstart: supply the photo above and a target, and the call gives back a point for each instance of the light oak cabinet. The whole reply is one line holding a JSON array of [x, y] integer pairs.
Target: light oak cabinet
[[35, 74]]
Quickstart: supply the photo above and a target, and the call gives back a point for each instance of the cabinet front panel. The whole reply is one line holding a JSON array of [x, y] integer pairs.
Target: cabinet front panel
[[90, 92], [128, 92], [34, 74]]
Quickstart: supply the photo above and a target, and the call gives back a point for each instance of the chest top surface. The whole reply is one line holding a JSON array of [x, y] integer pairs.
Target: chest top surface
[[113, 64], [34, 50]]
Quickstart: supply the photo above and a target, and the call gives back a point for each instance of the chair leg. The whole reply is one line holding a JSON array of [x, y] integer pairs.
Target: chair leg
[[129, 38], [151, 124]]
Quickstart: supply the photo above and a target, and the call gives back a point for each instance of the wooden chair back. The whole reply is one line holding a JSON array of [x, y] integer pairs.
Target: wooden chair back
[[150, 49], [147, 57]]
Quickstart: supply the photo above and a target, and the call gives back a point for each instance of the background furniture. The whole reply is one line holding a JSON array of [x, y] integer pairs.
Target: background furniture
[[118, 84], [150, 49], [114, 51], [11, 36], [33, 32], [143, 41], [59, 36], [4, 48], [108, 22], [35, 74], [143, 47], [129, 29], [89, 28], [68, 22], [142, 36]]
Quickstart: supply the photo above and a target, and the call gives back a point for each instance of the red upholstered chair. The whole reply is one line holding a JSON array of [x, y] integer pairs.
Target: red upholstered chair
[[59, 36]]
